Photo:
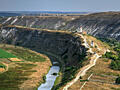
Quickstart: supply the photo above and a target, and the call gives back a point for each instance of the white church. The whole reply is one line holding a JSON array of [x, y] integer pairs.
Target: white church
[[80, 30]]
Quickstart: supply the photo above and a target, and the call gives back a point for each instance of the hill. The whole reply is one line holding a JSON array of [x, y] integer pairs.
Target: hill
[[104, 24]]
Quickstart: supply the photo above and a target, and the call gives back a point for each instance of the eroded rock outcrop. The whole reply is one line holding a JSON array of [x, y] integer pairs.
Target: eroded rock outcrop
[[62, 44], [105, 24]]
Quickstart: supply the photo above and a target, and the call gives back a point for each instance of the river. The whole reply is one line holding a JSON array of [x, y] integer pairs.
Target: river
[[50, 78]]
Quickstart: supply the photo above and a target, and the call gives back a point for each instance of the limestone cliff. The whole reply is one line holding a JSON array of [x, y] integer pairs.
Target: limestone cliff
[[63, 44], [105, 24]]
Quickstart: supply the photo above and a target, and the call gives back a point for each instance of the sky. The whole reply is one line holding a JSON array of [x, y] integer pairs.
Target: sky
[[60, 5]]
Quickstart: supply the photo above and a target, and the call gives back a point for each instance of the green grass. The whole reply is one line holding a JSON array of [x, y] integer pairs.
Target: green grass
[[83, 80], [25, 54], [4, 54], [2, 65]]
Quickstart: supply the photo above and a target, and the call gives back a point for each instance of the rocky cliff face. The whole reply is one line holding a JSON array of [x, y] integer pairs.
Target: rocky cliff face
[[45, 22], [105, 24], [64, 45]]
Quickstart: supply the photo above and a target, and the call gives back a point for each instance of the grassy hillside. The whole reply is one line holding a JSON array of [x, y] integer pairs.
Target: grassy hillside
[[23, 53], [21, 75]]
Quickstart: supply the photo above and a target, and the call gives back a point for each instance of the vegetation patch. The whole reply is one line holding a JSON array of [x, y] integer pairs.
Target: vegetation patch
[[2, 65], [4, 54], [114, 56], [83, 80], [117, 80], [25, 54], [70, 72], [11, 79]]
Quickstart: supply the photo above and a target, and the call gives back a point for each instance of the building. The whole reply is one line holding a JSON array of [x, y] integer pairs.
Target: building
[[80, 30], [92, 43]]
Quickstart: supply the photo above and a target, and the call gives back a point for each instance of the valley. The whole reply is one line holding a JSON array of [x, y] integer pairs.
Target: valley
[[82, 56]]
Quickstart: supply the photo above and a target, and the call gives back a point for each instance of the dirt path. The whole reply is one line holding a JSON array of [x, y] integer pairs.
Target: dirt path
[[83, 70]]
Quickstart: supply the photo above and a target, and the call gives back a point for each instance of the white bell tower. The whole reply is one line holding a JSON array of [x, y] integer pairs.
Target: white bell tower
[[81, 30]]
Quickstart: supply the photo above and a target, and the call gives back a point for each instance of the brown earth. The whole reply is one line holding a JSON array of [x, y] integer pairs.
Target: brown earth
[[15, 59], [37, 77], [2, 69], [103, 78]]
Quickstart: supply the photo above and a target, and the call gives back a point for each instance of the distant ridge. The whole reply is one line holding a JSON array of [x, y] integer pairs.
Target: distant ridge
[[19, 13], [7, 14], [49, 12]]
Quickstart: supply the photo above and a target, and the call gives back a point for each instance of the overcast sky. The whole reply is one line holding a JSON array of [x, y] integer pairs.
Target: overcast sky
[[60, 5]]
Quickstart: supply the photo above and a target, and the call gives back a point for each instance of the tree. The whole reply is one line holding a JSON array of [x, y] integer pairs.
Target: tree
[[114, 57]]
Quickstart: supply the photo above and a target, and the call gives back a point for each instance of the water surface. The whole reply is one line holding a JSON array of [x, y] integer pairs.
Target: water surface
[[50, 79]]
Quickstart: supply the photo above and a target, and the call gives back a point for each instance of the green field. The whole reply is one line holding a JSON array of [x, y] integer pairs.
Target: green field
[[25, 54], [4, 54]]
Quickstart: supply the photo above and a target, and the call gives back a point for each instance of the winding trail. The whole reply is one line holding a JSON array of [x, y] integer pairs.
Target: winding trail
[[84, 69]]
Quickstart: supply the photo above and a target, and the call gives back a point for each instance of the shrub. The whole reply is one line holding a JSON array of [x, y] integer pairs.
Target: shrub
[[111, 55], [44, 78], [106, 60], [54, 74], [95, 46], [108, 54], [2, 66], [117, 81], [115, 65], [80, 77]]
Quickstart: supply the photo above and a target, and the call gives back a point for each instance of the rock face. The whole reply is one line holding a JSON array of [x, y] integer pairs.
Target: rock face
[[64, 45], [106, 24], [35, 22]]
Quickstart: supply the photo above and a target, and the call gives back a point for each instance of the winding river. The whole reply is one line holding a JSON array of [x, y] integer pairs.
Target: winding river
[[50, 78]]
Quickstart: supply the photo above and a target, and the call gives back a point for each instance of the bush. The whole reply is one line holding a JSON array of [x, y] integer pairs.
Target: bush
[[95, 46], [115, 65], [80, 77], [111, 55], [117, 81], [106, 60], [114, 57], [2, 66], [108, 54], [44, 79], [54, 74]]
